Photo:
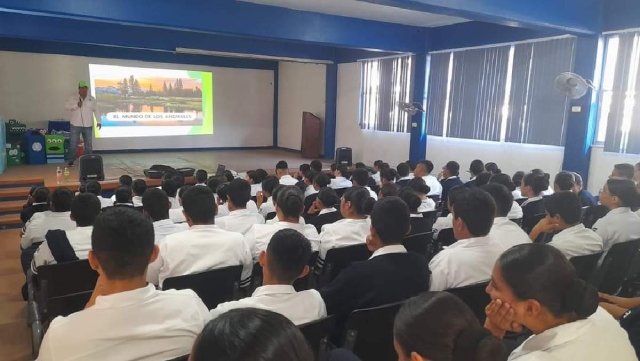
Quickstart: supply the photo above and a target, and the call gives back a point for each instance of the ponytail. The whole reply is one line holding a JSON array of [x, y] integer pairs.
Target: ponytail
[[360, 199], [580, 298], [412, 200], [289, 200]]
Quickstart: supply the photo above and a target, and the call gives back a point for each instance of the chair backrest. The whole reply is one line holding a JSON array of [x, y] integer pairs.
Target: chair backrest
[[529, 222], [213, 287], [431, 217], [256, 276], [419, 243], [338, 259], [369, 332], [65, 305], [586, 265], [270, 216], [590, 215], [616, 266], [517, 221], [318, 333], [446, 237], [475, 297], [181, 358], [308, 281], [66, 278]]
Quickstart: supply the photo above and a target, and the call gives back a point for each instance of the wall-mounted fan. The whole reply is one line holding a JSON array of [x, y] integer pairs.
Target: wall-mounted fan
[[411, 108], [573, 85]]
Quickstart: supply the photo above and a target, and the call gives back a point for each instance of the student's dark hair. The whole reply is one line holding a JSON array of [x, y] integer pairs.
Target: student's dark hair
[[201, 175], [503, 179], [412, 165], [290, 200], [538, 183], [282, 165], [440, 326], [389, 190], [222, 192], [170, 187], [492, 168], [541, 272], [565, 180], [139, 187], [476, 167], [316, 166], [32, 189], [578, 178], [156, 203], [360, 176], [123, 194], [501, 196], [360, 199], [200, 204], [40, 195], [378, 163], [429, 165], [477, 209], [255, 176], [310, 176], [538, 171], [213, 184], [390, 218], [419, 185], [409, 196], [566, 204], [361, 165], [453, 168], [385, 165], [85, 208], [333, 167], [388, 174], [262, 173], [624, 189], [228, 175], [625, 170], [269, 184], [482, 179], [93, 187], [239, 192], [182, 190], [288, 253], [344, 170], [402, 169], [304, 167], [517, 178], [82, 188], [322, 180], [251, 334], [60, 200], [453, 195], [276, 191], [328, 197], [125, 180], [123, 241], [302, 186]]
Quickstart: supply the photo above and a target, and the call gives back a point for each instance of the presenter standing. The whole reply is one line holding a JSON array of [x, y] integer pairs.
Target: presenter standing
[[83, 106]]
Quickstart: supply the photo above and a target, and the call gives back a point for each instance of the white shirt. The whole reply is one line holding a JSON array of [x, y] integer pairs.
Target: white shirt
[[508, 233], [198, 249], [287, 180], [255, 188], [143, 325], [41, 223], [372, 193], [597, 338], [376, 177], [464, 263], [299, 307], [442, 223], [340, 182], [577, 241], [166, 227], [79, 239], [515, 212], [240, 220], [267, 207], [342, 233], [532, 199], [394, 248], [175, 204], [259, 235], [427, 205], [276, 220], [176, 215], [223, 209], [105, 202], [434, 184], [137, 201], [619, 225], [548, 192], [309, 191], [83, 117], [517, 194]]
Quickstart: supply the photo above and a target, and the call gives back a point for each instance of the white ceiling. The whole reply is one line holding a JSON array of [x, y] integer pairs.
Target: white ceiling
[[365, 10]]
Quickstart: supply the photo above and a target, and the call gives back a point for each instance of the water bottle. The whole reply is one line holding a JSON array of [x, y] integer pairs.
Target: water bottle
[[66, 174], [58, 175]]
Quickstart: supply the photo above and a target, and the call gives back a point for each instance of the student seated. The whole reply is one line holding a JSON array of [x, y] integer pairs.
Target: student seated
[[59, 217], [320, 182], [223, 204], [475, 168], [156, 204], [255, 180], [440, 326], [564, 181], [403, 174], [377, 168], [37, 202], [66, 246], [532, 187], [203, 247], [547, 176], [503, 230], [449, 180], [324, 209], [423, 170], [136, 322], [422, 190], [94, 187], [124, 181], [240, 219], [388, 190], [282, 173], [170, 187], [288, 209], [482, 179], [175, 214], [201, 177], [620, 224], [360, 178], [302, 170], [251, 334], [265, 201], [419, 224], [355, 207], [515, 212], [316, 166], [536, 287], [586, 198], [390, 275], [274, 197], [285, 260], [123, 196], [517, 180], [308, 182], [623, 170], [388, 176], [138, 188], [340, 181], [470, 259]]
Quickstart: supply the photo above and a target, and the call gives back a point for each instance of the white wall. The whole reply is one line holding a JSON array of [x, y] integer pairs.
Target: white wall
[[602, 164], [301, 88], [34, 87]]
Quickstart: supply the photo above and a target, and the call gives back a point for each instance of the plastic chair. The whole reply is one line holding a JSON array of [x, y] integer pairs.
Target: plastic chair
[[338, 259], [318, 334], [586, 265], [270, 216], [529, 222], [475, 296], [616, 267], [592, 214], [431, 217], [419, 243], [308, 281], [446, 237], [213, 287], [369, 332]]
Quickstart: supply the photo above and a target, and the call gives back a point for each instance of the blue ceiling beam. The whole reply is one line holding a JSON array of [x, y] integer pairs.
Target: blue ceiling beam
[[229, 17], [569, 16]]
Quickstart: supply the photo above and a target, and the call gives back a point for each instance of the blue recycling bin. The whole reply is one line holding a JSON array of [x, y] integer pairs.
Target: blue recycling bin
[[33, 147], [58, 125]]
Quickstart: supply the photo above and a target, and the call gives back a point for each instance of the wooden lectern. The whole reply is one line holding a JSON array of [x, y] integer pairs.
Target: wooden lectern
[[311, 133]]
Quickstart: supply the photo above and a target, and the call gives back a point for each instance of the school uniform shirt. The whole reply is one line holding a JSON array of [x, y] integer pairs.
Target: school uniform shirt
[[515, 212], [176, 215], [137, 201], [372, 193], [166, 227], [325, 216], [267, 207], [223, 209], [259, 235], [198, 249], [464, 263], [41, 223], [587, 199], [276, 220], [404, 181], [79, 239], [340, 183], [309, 191], [376, 177], [175, 204], [427, 205], [532, 207], [345, 232], [517, 194], [508, 233], [597, 338], [255, 188], [619, 225], [577, 241], [299, 307], [434, 184], [105, 202], [240, 220], [144, 325], [287, 180], [201, 184], [442, 223]]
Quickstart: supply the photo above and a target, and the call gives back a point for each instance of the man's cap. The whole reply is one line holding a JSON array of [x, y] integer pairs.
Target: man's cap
[[82, 84]]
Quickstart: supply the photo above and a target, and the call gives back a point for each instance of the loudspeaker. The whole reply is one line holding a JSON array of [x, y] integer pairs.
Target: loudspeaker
[[186, 172], [344, 156], [91, 168], [156, 171]]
